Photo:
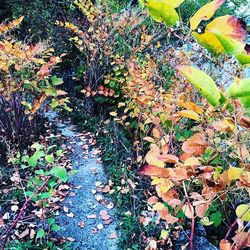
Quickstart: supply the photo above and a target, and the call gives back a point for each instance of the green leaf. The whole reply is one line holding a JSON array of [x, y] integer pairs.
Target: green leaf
[[216, 218], [40, 234], [163, 11], [51, 221], [243, 212], [29, 193], [55, 228], [37, 146], [203, 83], [50, 158], [32, 161], [59, 152], [40, 172], [54, 103], [239, 88], [45, 195], [60, 173], [56, 80]]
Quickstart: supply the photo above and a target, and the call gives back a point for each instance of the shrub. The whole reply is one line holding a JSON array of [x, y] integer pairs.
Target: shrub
[[26, 85]]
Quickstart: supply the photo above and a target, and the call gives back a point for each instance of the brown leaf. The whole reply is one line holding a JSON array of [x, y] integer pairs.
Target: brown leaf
[[112, 236], [151, 170], [71, 239], [152, 200], [91, 216], [81, 224], [104, 215], [225, 245]]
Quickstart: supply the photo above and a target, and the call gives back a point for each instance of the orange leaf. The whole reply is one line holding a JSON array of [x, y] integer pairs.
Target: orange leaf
[[169, 158], [154, 171], [195, 145], [225, 245]]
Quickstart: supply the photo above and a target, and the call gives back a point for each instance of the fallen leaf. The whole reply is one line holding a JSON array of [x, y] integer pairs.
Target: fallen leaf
[[99, 226], [104, 214], [71, 239], [14, 208], [81, 224], [70, 215], [91, 216], [112, 236], [152, 200], [65, 209]]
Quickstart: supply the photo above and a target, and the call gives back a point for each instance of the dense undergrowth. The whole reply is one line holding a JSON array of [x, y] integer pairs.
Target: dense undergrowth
[[123, 66]]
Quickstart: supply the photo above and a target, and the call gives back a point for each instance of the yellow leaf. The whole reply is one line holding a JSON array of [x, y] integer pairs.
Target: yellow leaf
[[192, 161], [191, 106], [243, 212], [234, 173], [205, 13], [209, 41], [152, 156], [113, 113], [189, 114], [158, 206], [228, 26], [164, 185], [163, 11], [164, 234]]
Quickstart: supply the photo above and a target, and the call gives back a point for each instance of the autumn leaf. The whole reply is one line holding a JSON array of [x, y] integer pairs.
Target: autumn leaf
[[104, 215], [226, 125], [234, 173], [191, 106], [168, 158], [152, 156], [158, 206], [225, 245], [152, 200], [188, 211], [195, 145], [189, 114], [205, 13], [154, 171], [192, 161]]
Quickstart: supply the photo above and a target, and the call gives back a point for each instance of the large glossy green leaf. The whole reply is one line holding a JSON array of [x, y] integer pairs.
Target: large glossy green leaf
[[239, 88], [204, 84], [164, 10]]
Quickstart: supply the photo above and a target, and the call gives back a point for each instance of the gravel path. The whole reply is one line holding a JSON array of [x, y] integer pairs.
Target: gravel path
[[87, 217]]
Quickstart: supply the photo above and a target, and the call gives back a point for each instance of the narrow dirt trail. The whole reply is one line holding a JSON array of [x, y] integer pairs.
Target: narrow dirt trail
[[87, 217]]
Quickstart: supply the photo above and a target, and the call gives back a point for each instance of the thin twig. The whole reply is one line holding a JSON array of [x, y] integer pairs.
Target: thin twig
[[193, 221], [9, 229]]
